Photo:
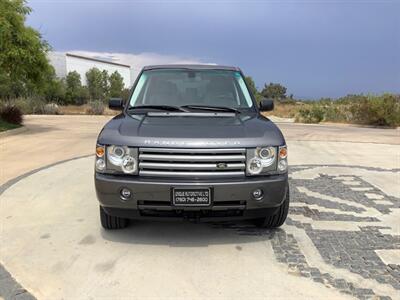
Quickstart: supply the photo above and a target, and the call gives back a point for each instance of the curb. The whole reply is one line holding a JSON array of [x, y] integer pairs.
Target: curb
[[281, 120], [355, 125], [13, 131]]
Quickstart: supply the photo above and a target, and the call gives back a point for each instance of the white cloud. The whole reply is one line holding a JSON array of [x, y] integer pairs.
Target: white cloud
[[138, 61]]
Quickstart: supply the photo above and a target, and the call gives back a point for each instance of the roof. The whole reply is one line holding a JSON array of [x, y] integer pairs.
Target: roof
[[192, 67], [97, 59]]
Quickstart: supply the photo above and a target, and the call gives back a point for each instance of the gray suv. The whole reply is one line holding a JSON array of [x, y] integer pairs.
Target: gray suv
[[191, 143]]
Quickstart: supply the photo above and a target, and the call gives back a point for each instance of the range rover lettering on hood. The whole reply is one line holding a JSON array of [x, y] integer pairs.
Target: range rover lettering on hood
[[183, 143]]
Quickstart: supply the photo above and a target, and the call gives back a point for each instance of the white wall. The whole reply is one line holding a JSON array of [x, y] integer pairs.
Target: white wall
[[82, 65], [58, 61]]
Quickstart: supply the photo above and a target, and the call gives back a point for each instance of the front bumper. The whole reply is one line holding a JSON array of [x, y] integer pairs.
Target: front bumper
[[151, 198]]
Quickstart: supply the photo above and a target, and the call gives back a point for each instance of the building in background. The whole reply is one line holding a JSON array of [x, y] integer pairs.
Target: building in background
[[64, 63]]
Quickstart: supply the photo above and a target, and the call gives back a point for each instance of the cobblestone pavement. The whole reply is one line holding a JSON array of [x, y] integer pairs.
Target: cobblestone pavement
[[354, 238]]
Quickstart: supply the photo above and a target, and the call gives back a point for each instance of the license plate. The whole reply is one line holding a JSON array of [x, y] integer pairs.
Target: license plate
[[191, 197]]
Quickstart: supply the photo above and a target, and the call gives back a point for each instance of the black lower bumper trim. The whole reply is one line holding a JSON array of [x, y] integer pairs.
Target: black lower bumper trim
[[199, 215]]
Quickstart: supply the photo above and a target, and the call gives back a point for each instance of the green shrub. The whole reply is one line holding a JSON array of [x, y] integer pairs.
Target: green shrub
[[33, 105], [313, 113], [36, 105], [95, 108], [335, 112], [377, 110], [381, 110], [11, 114]]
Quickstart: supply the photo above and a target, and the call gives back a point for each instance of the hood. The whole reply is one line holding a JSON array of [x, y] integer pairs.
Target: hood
[[241, 130]]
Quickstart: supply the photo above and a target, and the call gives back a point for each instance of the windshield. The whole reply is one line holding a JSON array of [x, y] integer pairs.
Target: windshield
[[181, 87]]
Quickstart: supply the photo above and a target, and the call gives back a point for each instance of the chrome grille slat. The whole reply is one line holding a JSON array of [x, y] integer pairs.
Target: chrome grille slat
[[198, 158], [186, 174], [180, 150], [198, 163], [188, 166]]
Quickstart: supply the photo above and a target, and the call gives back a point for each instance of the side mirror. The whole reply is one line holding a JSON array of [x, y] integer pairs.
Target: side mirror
[[266, 105], [116, 103]]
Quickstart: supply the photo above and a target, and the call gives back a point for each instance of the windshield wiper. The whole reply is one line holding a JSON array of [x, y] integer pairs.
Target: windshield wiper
[[211, 108], [159, 107]]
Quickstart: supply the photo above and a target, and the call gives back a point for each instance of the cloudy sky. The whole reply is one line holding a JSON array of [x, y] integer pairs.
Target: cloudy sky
[[316, 47]]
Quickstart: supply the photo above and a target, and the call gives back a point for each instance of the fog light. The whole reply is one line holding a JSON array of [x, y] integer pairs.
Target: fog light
[[282, 165], [125, 194], [100, 164], [258, 194]]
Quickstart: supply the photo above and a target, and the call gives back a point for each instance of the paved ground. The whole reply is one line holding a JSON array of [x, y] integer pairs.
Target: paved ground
[[342, 238], [48, 139]]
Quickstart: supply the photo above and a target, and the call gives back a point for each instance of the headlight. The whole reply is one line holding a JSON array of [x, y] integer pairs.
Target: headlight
[[129, 164], [254, 166], [282, 159], [115, 154], [282, 152], [282, 165], [100, 150], [100, 164], [116, 159], [266, 160], [266, 153]]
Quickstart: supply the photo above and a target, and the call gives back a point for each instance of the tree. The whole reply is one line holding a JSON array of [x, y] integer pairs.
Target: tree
[[94, 79], [274, 91], [55, 90], [73, 81], [23, 62], [251, 84], [83, 95], [125, 95], [116, 85], [73, 88], [253, 89], [105, 83]]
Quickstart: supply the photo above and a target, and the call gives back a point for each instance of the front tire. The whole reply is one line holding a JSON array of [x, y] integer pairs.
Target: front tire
[[278, 218], [111, 222]]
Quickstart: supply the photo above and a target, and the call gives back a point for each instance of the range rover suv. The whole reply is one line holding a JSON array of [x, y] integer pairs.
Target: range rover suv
[[191, 143]]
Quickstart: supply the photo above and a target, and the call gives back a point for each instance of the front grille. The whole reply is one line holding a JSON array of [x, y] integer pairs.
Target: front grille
[[197, 163]]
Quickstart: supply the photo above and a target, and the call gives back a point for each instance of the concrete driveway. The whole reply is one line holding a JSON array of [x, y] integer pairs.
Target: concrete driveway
[[341, 240]]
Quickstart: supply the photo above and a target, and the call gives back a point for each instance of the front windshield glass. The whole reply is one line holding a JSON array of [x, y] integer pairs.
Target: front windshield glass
[[180, 87]]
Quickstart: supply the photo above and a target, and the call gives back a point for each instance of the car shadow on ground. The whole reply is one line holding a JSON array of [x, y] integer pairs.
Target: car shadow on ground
[[188, 234]]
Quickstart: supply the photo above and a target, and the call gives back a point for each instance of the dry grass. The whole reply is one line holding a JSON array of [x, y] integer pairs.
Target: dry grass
[[285, 110], [82, 110]]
